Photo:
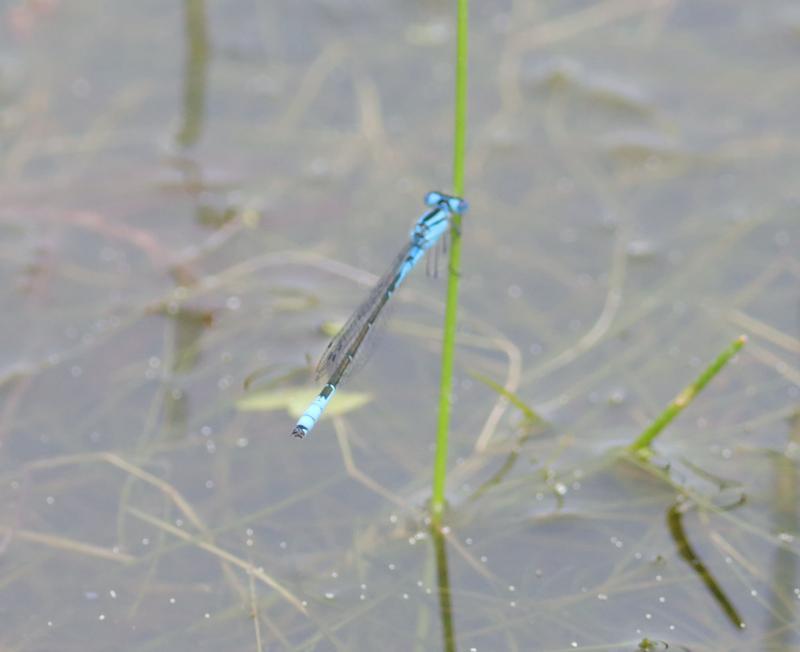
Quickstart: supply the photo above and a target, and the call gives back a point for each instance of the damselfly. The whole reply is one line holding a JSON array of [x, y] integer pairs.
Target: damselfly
[[342, 349]]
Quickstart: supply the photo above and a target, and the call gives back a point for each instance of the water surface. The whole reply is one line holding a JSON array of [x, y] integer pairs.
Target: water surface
[[190, 192]]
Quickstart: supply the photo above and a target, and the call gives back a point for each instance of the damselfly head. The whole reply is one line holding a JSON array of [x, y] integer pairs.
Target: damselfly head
[[454, 204]]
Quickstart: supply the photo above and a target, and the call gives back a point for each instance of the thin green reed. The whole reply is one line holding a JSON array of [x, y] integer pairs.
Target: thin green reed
[[451, 307], [643, 441]]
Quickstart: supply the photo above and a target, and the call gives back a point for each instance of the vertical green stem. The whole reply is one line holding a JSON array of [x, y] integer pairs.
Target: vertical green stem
[[451, 307]]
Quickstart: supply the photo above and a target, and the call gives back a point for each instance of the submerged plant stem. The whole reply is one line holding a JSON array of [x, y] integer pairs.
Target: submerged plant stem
[[451, 307], [683, 399]]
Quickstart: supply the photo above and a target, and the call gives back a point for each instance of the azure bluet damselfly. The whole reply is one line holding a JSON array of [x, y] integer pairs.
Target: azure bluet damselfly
[[342, 349]]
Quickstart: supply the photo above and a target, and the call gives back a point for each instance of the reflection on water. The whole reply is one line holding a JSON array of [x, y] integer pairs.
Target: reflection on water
[[675, 517], [783, 594], [445, 597], [196, 73]]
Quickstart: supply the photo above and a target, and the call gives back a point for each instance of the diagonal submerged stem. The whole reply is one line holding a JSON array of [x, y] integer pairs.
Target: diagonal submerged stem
[[683, 399]]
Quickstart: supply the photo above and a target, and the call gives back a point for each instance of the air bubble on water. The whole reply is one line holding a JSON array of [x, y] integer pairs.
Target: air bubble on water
[[568, 235], [617, 396], [640, 249], [782, 238], [319, 169], [81, 88]]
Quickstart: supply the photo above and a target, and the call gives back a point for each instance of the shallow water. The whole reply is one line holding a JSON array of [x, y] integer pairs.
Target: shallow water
[[191, 192]]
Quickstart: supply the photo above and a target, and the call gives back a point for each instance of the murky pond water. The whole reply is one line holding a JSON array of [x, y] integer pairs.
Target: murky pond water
[[190, 193]]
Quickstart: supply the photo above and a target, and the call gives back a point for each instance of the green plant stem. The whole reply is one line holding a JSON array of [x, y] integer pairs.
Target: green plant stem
[[451, 306], [683, 399]]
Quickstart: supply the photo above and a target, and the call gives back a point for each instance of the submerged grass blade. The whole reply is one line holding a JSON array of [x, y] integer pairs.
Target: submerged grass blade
[[683, 399], [66, 544], [529, 413], [222, 554]]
